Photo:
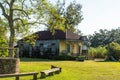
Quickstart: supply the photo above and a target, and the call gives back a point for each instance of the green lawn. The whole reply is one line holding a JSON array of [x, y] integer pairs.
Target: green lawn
[[72, 70]]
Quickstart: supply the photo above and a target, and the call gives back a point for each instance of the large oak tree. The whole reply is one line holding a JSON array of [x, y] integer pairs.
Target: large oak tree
[[19, 15]]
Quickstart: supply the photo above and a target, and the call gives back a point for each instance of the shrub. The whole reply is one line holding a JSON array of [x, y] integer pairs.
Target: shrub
[[3, 53], [3, 45], [80, 58], [3, 42], [113, 50], [98, 52], [64, 57]]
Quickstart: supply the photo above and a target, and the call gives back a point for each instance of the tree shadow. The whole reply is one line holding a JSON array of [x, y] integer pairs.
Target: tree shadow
[[106, 61], [35, 60]]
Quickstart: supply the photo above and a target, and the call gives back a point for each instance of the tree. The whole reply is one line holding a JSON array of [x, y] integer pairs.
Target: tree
[[12, 13], [53, 20], [104, 37], [73, 15], [61, 17], [19, 16], [99, 38]]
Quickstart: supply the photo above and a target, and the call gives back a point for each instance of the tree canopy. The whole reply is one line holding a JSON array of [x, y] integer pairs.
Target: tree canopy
[[61, 16], [73, 15], [104, 37], [19, 15]]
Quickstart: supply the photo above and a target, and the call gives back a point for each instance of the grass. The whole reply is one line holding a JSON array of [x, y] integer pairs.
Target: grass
[[72, 70]]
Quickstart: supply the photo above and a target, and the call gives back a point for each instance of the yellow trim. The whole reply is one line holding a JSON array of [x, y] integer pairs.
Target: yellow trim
[[74, 46]]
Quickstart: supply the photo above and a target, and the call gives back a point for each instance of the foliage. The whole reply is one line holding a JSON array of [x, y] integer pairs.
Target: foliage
[[56, 21], [64, 57], [98, 52], [3, 53], [81, 58], [13, 14], [62, 17], [113, 50], [3, 40], [79, 32], [31, 39], [104, 37], [73, 15], [20, 15], [51, 17]]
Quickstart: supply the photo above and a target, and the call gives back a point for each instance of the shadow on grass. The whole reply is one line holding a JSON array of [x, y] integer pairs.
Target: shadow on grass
[[47, 76], [35, 60], [40, 60], [106, 61]]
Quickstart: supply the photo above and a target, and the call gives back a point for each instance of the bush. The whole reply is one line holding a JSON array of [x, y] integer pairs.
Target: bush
[[64, 57], [113, 51], [80, 58], [98, 52], [3, 45], [3, 42], [3, 53]]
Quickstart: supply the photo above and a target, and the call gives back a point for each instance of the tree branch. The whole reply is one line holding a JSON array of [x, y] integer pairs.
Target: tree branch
[[16, 19], [30, 23], [6, 1], [21, 11], [11, 3], [23, 3], [3, 10]]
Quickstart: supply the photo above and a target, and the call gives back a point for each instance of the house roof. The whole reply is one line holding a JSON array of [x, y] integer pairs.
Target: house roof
[[61, 35]]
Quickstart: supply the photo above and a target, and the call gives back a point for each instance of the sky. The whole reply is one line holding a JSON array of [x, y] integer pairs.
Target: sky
[[99, 14]]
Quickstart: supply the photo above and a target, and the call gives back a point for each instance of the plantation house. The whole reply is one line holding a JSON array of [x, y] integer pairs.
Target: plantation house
[[49, 45]]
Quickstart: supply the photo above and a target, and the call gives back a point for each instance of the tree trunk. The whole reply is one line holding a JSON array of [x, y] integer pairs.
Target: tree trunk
[[12, 36], [11, 42], [7, 12]]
